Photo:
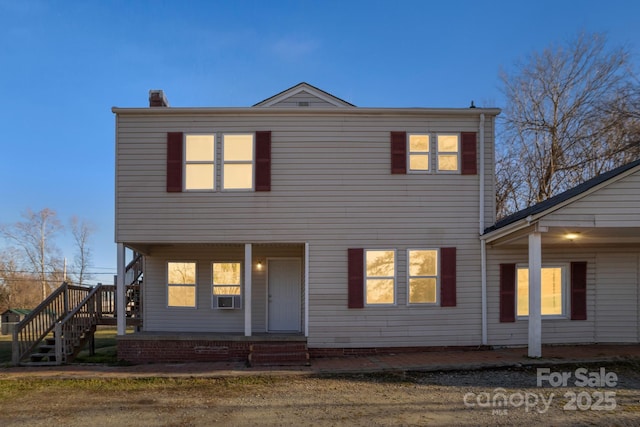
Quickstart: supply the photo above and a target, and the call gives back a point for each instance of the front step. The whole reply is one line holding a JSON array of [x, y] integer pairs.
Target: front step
[[279, 354]]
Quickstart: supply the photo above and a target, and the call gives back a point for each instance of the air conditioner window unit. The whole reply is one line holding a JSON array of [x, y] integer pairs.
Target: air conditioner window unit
[[227, 302]]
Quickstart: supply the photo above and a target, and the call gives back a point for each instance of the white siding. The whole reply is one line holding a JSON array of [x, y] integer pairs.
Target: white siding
[[305, 98], [331, 187], [616, 205], [617, 297]]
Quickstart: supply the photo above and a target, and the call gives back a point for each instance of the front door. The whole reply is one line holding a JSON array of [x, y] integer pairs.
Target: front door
[[284, 294]]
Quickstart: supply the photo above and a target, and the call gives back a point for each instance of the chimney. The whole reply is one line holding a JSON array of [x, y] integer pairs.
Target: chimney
[[157, 98]]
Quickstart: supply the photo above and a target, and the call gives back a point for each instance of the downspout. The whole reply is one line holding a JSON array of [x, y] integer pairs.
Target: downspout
[[483, 245]]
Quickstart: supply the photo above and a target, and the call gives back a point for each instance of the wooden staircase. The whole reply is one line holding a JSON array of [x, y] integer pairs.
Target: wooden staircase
[[61, 326], [279, 354]]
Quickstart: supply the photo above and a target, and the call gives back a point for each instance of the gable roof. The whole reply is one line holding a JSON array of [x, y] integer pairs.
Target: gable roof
[[563, 197], [304, 87], [18, 311]]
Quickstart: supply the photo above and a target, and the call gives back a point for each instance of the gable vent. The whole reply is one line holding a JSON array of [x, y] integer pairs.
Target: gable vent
[[303, 103]]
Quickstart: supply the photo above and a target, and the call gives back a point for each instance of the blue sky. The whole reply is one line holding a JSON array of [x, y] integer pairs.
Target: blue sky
[[64, 64]]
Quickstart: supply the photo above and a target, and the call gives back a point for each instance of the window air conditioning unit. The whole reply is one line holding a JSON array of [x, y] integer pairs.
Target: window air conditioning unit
[[227, 302]]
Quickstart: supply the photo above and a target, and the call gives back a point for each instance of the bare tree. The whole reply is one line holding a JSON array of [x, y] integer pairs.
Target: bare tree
[[570, 115], [18, 289], [81, 231], [34, 237]]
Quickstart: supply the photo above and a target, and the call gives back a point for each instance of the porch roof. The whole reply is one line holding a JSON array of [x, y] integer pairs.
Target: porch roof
[[515, 227]]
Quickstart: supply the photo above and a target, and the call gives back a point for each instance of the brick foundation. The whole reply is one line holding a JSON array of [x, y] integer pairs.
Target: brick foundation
[[315, 353]]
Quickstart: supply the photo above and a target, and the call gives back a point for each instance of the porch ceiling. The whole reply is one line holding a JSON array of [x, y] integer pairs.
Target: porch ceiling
[[573, 237]]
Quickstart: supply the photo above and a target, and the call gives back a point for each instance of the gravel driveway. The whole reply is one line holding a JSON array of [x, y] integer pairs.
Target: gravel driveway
[[479, 398]]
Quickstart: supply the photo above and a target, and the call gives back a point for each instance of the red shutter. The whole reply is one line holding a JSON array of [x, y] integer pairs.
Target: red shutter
[[263, 161], [469, 163], [174, 162], [356, 278], [447, 277], [507, 292], [578, 291], [398, 152]]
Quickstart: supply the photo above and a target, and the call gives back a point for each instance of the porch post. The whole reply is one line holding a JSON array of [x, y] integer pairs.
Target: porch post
[[121, 321], [535, 279], [248, 265]]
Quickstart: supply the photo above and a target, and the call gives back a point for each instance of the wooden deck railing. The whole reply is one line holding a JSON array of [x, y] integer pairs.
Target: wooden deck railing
[[72, 331], [42, 320]]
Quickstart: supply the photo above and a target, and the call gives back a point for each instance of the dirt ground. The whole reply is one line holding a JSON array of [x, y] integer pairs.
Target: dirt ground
[[485, 397]]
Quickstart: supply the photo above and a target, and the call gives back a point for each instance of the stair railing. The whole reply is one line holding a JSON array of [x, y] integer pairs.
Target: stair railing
[[30, 332], [71, 331]]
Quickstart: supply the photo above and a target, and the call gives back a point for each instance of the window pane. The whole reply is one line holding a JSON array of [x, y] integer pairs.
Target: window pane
[[226, 290], [238, 148], [423, 263], [448, 162], [422, 290], [380, 291], [523, 292], [199, 177], [552, 290], [418, 142], [238, 176], [226, 273], [448, 143], [380, 264], [182, 273], [419, 162], [182, 296], [199, 148]]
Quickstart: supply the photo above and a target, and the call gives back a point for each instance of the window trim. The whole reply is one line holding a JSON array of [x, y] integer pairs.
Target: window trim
[[223, 162], [194, 285], [437, 277], [213, 285], [395, 277], [186, 162], [565, 292], [428, 153], [458, 153]]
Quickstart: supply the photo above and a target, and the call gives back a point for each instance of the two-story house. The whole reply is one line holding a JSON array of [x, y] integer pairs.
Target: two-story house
[[309, 223]]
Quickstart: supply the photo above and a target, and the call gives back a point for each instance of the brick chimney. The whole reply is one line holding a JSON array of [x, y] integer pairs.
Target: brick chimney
[[157, 98]]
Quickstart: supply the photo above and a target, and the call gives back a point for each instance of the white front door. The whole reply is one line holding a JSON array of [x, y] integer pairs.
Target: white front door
[[284, 295]]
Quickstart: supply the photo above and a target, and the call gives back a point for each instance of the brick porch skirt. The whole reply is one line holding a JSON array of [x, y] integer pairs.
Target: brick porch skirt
[[169, 348]]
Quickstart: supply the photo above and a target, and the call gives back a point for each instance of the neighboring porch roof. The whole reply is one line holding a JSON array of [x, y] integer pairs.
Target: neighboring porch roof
[[517, 226]]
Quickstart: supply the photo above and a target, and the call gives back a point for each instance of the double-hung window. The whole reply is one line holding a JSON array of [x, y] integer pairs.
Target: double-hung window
[[199, 168], [237, 165], [181, 284], [448, 152], [553, 290], [423, 276], [226, 278], [380, 277], [418, 153]]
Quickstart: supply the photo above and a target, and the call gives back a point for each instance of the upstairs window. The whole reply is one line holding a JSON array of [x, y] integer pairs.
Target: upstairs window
[[199, 168], [418, 153], [380, 272], [448, 152], [181, 284], [237, 166]]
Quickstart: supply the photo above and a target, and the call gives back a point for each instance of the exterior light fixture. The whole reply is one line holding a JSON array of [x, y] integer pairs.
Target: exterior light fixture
[[259, 265], [572, 236]]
